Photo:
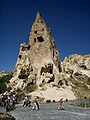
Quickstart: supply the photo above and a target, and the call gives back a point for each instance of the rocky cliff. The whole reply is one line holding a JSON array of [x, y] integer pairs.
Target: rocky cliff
[[76, 70], [39, 71]]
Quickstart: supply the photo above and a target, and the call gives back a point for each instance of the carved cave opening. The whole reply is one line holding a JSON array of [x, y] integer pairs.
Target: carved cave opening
[[51, 79], [60, 82], [23, 48], [28, 47], [34, 39], [35, 31], [20, 56], [40, 39], [23, 74], [47, 69]]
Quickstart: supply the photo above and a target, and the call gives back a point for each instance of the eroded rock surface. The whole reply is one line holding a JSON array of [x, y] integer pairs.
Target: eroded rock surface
[[39, 71]]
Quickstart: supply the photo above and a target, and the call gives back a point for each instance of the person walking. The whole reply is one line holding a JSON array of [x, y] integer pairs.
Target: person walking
[[60, 107], [3, 101], [7, 104], [35, 105]]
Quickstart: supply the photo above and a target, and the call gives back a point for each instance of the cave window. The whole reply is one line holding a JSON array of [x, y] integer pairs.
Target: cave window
[[34, 39], [40, 39], [43, 81], [51, 71], [28, 47], [20, 56], [23, 48], [35, 31], [31, 69]]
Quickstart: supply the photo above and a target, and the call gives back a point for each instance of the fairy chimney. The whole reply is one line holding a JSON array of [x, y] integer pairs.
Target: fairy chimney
[[38, 62]]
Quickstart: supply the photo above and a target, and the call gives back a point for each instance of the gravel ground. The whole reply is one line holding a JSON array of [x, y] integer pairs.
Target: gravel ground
[[50, 112]]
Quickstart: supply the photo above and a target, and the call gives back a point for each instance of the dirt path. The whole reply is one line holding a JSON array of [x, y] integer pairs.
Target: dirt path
[[50, 112]]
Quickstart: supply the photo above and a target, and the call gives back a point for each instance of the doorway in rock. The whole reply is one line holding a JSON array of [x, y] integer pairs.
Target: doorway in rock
[[40, 39]]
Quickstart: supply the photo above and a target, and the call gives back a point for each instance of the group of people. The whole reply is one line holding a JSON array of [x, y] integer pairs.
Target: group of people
[[35, 106], [8, 102], [27, 102]]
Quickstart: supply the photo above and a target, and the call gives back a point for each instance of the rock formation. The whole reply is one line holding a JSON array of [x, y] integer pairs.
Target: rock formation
[[76, 70], [39, 72]]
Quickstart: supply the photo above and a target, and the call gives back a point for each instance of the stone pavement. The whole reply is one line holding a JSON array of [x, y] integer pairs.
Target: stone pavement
[[50, 112]]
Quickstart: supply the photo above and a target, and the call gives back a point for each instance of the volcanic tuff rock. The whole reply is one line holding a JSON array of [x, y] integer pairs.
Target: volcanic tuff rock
[[38, 70], [76, 70]]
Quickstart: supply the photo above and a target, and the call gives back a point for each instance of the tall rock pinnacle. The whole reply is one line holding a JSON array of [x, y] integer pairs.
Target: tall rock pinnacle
[[38, 62], [38, 68]]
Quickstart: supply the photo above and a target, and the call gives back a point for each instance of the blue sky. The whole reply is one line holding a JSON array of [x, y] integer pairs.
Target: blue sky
[[69, 21]]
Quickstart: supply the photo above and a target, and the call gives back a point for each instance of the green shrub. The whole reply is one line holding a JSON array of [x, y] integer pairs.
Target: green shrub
[[3, 80], [31, 88], [3, 87], [84, 104], [8, 89], [21, 96], [6, 78]]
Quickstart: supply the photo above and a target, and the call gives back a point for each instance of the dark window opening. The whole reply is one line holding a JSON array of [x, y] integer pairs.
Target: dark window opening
[[40, 39], [60, 82], [51, 71], [60, 69], [48, 68], [43, 81], [23, 48], [23, 76], [20, 56], [35, 31], [42, 29], [53, 53], [51, 80], [34, 39], [28, 47], [31, 69]]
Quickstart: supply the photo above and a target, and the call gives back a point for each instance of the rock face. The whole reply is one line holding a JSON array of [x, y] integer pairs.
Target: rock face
[[76, 70], [39, 72], [38, 62]]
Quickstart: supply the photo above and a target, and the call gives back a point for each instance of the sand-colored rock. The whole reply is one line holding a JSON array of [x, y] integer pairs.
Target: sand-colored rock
[[76, 70], [38, 62], [40, 72]]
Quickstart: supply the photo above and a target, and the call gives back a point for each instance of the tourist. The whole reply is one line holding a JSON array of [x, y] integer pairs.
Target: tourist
[[13, 101], [35, 105], [26, 101], [7, 103], [60, 107], [2, 101]]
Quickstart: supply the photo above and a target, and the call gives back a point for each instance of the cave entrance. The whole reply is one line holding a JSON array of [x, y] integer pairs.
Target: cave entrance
[[40, 39], [35, 31], [47, 69], [20, 56], [34, 39]]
